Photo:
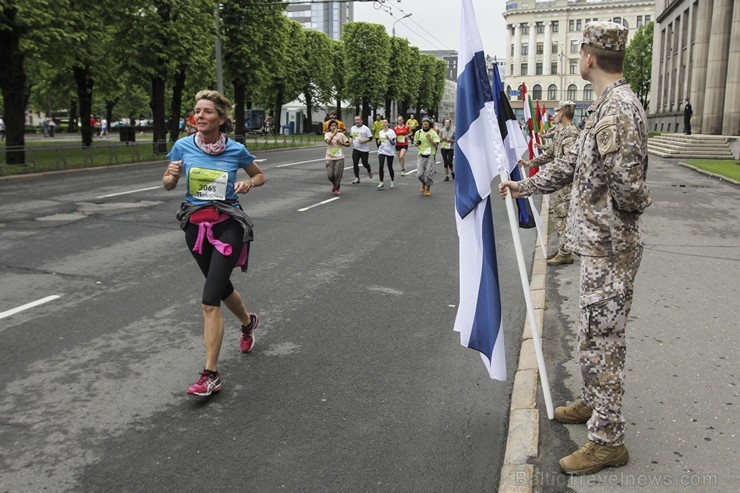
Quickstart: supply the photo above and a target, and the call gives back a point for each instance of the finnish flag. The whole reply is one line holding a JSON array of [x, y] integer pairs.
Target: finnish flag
[[479, 156]]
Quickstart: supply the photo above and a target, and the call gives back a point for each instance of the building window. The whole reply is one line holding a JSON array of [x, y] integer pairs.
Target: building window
[[587, 21], [552, 92], [538, 68], [524, 69], [540, 48], [647, 19], [537, 92], [572, 91], [554, 68], [511, 69], [617, 20], [588, 93], [555, 26], [540, 28], [575, 45], [579, 27], [519, 97], [639, 20], [512, 49], [573, 67], [525, 29], [525, 49], [571, 25], [554, 49], [513, 29]]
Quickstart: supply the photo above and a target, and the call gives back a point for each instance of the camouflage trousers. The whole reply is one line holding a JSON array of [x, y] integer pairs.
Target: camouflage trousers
[[560, 204], [607, 286], [425, 168]]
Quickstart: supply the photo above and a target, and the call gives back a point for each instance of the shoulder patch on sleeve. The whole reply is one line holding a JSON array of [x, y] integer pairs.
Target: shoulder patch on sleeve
[[606, 134]]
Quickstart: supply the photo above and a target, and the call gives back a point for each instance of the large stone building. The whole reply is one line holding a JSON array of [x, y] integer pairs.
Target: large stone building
[[544, 38], [327, 17], [696, 55]]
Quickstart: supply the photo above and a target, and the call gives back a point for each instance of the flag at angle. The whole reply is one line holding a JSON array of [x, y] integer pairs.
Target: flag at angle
[[514, 143], [533, 137], [479, 156]]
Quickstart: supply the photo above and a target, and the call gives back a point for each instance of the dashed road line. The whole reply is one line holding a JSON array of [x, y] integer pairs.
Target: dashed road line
[[32, 304]]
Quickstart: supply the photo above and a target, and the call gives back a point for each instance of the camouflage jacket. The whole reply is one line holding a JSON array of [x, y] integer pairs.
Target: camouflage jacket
[[608, 168], [563, 140]]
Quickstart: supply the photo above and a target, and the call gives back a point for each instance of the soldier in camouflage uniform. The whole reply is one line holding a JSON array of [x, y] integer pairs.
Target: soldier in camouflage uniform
[[566, 134], [607, 167]]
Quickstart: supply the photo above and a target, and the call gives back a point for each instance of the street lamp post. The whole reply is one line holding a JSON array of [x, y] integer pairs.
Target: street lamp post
[[393, 30]]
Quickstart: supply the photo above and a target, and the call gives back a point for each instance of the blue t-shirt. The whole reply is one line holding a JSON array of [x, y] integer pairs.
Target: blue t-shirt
[[210, 177]]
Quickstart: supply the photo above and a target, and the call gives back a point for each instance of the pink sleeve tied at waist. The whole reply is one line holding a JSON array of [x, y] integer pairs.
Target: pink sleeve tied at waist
[[205, 230]]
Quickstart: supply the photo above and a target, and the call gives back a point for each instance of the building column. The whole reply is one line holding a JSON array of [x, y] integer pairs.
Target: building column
[[548, 50], [701, 49], [719, 47], [731, 120], [532, 48], [517, 50]]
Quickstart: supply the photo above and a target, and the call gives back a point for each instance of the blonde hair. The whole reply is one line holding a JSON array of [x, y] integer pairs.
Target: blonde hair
[[223, 107]]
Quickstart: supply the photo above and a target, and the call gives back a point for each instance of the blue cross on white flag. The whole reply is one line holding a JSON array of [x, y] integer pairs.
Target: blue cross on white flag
[[479, 156]]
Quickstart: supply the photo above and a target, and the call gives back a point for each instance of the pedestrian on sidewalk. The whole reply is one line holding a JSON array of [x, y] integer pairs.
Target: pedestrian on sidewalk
[[688, 111], [402, 132], [360, 136], [387, 140], [447, 139], [427, 141], [336, 141], [566, 134], [607, 167], [217, 230]]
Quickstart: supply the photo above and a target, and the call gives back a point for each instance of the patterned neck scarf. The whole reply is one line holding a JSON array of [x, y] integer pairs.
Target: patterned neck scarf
[[216, 148]]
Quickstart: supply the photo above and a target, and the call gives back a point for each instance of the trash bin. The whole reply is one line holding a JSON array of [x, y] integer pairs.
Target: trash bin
[[127, 134], [51, 130], [284, 129]]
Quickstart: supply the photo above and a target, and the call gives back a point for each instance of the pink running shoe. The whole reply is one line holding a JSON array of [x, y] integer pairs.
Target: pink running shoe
[[208, 383], [334, 189], [337, 192], [246, 341]]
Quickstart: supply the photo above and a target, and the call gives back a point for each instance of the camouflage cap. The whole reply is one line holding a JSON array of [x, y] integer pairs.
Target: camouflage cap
[[605, 35], [565, 104]]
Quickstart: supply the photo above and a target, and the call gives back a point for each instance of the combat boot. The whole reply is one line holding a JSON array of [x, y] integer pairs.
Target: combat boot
[[561, 259], [553, 255], [576, 413], [592, 458]]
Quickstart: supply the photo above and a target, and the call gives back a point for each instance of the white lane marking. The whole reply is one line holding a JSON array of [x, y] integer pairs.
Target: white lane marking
[[29, 305], [300, 162], [260, 160], [320, 203], [126, 193]]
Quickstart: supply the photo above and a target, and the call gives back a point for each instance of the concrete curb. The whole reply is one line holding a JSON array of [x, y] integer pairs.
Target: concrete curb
[[517, 476], [708, 173]]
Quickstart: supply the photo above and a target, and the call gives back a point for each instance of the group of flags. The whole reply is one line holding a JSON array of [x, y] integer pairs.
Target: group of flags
[[489, 140]]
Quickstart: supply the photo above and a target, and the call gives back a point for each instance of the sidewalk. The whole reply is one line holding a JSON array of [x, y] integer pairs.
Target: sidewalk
[[681, 391]]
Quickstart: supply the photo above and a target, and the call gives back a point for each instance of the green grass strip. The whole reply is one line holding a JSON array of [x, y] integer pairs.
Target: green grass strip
[[723, 167]]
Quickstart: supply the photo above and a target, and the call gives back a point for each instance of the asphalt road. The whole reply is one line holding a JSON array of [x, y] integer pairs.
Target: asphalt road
[[357, 381]]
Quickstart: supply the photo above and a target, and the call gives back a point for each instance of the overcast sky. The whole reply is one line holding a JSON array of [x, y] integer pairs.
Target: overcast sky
[[434, 24]]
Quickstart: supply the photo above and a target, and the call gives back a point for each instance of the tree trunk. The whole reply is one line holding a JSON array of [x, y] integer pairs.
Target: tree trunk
[[157, 104], [14, 89], [176, 105], [365, 110], [404, 110], [84, 97], [308, 120], [109, 105], [240, 92], [278, 111], [72, 127], [388, 103], [339, 107]]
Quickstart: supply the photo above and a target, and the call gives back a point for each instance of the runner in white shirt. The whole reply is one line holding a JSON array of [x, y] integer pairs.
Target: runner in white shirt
[[387, 140], [360, 136]]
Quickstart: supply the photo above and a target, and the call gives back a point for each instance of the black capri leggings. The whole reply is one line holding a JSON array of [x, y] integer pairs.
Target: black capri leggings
[[215, 266], [382, 159], [356, 156], [447, 155]]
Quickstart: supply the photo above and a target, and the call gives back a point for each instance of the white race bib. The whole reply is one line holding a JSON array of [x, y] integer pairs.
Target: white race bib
[[208, 184], [401, 139], [336, 152]]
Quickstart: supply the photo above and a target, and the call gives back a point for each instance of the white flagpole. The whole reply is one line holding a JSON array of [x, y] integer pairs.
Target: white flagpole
[[537, 217], [528, 298]]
